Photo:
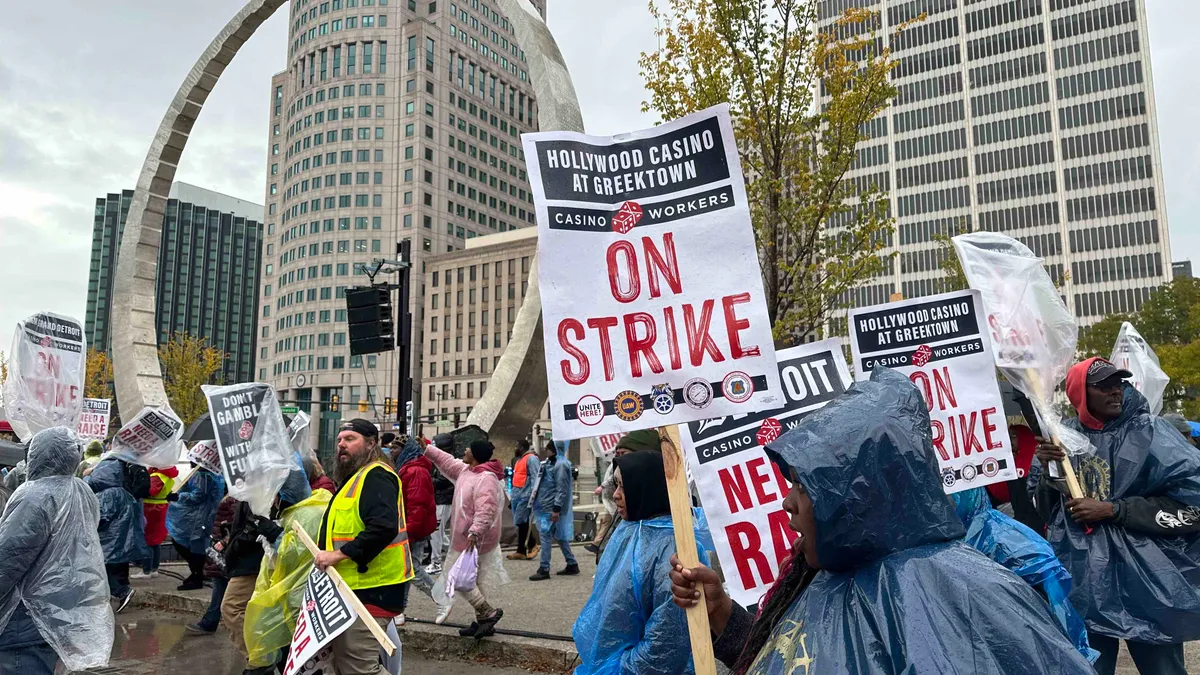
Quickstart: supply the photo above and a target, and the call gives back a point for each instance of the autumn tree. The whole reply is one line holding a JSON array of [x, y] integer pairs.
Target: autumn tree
[[98, 378], [801, 100], [187, 363], [3, 367]]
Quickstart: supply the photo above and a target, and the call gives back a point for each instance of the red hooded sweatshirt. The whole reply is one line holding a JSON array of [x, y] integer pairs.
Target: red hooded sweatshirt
[[156, 514], [1077, 393]]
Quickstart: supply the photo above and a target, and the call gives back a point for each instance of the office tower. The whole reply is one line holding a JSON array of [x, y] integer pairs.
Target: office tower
[[471, 299], [207, 272], [395, 120], [1181, 269], [1033, 118]]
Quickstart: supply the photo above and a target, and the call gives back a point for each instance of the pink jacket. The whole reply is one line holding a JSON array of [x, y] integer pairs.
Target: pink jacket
[[478, 499]]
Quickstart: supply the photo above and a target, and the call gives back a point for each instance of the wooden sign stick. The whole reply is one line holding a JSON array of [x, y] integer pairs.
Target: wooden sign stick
[[348, 593], [685, 545], [183, 481], [1068, 469]]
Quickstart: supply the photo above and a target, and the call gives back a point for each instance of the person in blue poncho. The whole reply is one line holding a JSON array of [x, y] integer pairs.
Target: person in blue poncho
[[190, 519], [630, 626], [1026, 554], [121, 532], [1132, 543], [880, 580], [552, 499]]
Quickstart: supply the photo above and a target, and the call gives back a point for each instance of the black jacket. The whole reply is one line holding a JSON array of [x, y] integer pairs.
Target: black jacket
[[245, 553], [377, 508]]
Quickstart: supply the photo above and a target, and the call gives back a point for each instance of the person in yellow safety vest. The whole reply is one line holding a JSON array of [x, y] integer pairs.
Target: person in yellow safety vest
[[364, 537], [154, 509]]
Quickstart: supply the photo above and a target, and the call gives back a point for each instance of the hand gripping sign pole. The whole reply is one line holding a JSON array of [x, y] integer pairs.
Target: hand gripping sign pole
[[685, 545], [348, 593], [1034, 336]]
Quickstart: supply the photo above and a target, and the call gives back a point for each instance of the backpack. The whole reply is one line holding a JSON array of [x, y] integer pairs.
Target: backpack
[[137, 480]]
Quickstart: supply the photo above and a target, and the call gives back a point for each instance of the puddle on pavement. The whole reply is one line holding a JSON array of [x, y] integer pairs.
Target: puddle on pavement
[[156, 643]]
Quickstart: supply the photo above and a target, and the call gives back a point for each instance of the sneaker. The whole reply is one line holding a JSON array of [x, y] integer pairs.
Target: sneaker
[[433, 569], [540, 575], [443, 614], [199, 629], [399, 620], [143, 575], [469, 631], [487, 627], [517, 556], [568, 571], [125, 601], [190, 585], [592, 548]]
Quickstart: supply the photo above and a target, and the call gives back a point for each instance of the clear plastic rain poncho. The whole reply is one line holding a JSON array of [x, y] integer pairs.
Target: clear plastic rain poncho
[[151, 439], [1034, 335], [279, 590], [50, 555], [1132, 353]]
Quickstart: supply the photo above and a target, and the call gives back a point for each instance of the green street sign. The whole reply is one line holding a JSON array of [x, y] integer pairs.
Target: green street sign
[[289, 410]]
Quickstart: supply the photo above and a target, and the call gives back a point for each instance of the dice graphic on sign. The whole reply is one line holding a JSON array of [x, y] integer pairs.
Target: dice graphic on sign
[[922, 356], [626, 218], [769, 431], [246, 431]]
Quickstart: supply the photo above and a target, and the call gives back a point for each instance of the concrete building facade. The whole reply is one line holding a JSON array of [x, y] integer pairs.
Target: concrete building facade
[[207, 278], [471, 300], [394, 120], [1033, 118]]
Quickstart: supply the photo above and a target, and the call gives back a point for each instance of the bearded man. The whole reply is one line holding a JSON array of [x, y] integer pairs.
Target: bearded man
[[364, 537]]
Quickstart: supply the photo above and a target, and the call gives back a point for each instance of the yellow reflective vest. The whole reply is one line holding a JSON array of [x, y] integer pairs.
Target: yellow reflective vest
[[394, 564], [161, 496]]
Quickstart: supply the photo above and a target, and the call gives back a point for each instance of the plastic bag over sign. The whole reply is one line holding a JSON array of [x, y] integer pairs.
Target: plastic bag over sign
[[151, 439], [1132, 353], [298, 431], [255, 448], [45, 374], [1034, 335]]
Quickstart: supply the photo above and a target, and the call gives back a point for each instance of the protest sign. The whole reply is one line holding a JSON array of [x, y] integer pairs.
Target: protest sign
[[324, 615], [652, 298], [206, 455], [741, 490], [942, 344], [1033, 335], [150, 439], [605, 446], [255, 448], [93, 420], [45, 374], [1132, 353]]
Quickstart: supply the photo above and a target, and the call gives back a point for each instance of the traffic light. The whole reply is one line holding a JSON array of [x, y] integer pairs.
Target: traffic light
[[334, 404], [388, 406], [369, 314], [364, 406]]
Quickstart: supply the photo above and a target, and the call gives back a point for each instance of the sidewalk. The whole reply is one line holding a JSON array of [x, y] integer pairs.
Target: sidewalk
[[544, 607]]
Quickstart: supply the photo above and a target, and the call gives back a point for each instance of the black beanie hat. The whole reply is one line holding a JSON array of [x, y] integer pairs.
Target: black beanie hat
[[482, 450]]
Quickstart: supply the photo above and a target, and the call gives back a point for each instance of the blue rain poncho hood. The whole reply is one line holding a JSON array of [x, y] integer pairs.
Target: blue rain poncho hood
[[899, 592], [122, 531], [51, 562], [1026, 554], [1127, 584], [630, 624]]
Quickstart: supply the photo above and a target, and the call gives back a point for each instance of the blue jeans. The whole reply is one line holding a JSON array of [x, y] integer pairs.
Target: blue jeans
[[547, 537], [212, 617], [151, 564], [1149, 659], [33, 660]]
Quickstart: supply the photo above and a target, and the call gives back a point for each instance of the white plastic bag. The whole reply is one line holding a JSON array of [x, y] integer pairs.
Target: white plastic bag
[[298, 432], [464, 573], [1133, 354], [394, 663], [45, 374], [150, 439], [255, 448], [1034, 336]]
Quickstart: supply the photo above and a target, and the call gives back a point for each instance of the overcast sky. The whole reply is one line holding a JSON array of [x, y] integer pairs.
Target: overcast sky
[[83, 86]]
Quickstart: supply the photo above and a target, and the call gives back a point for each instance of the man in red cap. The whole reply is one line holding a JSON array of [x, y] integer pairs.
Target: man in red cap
[[1131, 542]]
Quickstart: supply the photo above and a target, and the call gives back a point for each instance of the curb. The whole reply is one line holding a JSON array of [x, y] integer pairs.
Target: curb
[[434, 642]]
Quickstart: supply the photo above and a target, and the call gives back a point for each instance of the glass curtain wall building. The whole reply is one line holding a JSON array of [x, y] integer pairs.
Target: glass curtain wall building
[[394, 120], [1033, 118], [207, 272]]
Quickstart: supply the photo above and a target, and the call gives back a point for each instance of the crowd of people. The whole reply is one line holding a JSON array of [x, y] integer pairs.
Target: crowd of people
[[886, 574]]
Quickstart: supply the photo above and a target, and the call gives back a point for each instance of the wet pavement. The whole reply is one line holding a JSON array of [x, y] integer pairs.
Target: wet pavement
[[150, 642]]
